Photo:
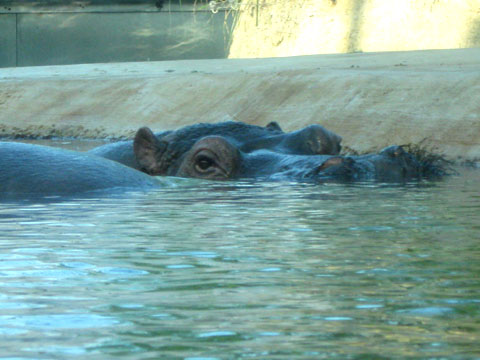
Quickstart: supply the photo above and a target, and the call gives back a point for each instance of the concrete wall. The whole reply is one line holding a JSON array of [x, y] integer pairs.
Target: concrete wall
[[8, 33], [69, 34], [268, 28]]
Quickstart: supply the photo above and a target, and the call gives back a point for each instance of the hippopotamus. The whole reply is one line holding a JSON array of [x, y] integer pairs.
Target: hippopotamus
[[311, 140], [38, 171], [33, 171], [218, 158]]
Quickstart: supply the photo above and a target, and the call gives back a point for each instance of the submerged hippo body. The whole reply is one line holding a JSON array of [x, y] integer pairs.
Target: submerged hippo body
[[311, 140], [32, 170], [216, 158]]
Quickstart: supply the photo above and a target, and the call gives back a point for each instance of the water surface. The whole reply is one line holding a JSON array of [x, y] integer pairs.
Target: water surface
[[208, 270]]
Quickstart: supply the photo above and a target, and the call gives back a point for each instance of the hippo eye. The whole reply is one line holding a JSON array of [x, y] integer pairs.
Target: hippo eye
[[203, 163]]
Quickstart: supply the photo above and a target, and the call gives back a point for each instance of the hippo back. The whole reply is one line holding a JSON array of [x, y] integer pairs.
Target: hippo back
[[121, 151], [28, 170]]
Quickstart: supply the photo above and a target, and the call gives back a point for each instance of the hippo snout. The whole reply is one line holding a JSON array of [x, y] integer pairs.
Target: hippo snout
[[334, 168]]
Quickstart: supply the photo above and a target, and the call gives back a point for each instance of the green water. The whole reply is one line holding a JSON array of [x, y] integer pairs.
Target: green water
[[205, 270]]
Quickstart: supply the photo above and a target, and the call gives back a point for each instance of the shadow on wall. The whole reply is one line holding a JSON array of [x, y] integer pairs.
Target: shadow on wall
[[356, 23], [72, 34], [473, 39]]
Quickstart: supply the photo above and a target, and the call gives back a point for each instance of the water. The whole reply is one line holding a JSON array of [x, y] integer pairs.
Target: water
[[205, 270]]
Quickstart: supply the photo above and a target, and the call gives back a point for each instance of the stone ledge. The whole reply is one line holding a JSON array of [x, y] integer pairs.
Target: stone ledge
[[371, 99]]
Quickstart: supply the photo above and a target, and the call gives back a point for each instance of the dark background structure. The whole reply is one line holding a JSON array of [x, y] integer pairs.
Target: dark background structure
[[54, 32]]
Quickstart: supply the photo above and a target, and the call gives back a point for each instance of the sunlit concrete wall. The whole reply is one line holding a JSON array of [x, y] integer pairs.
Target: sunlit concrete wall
[[269, 28]]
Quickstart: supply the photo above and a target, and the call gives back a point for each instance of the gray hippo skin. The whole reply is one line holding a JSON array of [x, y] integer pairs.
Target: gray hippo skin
[[216, 158], [311, 140], [37, 171]]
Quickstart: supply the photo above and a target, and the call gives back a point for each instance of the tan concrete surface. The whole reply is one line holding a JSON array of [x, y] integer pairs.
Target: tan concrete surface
[[371, 99]]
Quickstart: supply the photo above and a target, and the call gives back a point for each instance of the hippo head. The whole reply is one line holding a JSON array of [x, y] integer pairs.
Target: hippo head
[[211, 157], [170, 146], [215, 157]]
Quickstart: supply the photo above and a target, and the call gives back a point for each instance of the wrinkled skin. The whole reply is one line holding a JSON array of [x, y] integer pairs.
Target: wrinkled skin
[[311, 140], [216, 158], [37, 171]]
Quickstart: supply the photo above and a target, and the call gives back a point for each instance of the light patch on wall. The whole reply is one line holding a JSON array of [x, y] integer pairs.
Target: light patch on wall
[[70, 21], [327, 31], [146, 32], [304, 27], [409, 25]]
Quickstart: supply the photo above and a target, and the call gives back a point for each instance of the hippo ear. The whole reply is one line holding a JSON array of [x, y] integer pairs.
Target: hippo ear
[[273, 126], [399, 151], [148, 150], [334, 142], [337, 138]]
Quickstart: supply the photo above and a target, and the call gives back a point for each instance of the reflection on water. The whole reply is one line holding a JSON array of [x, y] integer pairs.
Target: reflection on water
[[204, 270], [65, 143]]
